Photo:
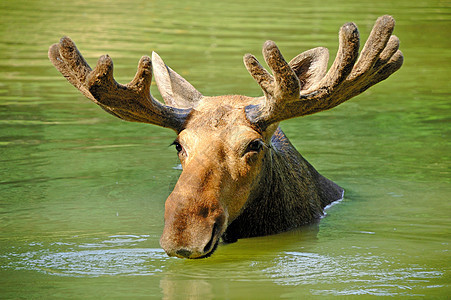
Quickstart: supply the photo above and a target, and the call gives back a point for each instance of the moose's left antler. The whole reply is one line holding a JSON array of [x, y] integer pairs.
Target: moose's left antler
[[302, 86]]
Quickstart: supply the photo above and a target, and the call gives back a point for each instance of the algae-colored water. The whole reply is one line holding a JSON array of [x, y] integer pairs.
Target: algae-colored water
[[82, 193]]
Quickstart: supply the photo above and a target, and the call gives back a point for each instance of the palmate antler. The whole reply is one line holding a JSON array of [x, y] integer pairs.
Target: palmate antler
[[130, 102], [302, 86]]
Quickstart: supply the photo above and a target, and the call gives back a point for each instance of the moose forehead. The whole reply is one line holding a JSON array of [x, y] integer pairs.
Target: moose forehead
[[220, 110], [220, 118]]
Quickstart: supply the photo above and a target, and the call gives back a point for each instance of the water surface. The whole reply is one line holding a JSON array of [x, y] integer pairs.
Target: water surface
[[82, 193]]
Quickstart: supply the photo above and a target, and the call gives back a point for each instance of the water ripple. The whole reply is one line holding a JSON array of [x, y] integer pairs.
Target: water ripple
[[348, 275], [65, 258]]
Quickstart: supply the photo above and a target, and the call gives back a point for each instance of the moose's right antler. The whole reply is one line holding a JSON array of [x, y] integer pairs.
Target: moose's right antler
[[302, 86], [130, 102]]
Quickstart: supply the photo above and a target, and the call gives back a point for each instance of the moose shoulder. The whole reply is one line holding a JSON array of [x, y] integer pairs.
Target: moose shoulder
[[241, 176]]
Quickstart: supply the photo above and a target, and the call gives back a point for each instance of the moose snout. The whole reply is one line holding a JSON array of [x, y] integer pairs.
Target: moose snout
[[191, 242], [204, 249], [190, 231]]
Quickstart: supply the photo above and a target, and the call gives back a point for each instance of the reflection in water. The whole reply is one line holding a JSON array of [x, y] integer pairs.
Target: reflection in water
[[172, 288]]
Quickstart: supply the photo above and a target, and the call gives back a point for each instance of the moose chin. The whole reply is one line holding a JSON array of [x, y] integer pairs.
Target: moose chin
[[241, 175]]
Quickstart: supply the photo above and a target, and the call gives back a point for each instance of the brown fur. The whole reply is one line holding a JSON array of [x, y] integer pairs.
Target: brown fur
[[276, 204]]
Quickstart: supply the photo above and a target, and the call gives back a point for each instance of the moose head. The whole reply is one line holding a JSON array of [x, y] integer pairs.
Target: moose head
[[241, 176]]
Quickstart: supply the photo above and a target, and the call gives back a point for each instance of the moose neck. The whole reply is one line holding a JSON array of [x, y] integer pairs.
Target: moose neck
[[289, 193]]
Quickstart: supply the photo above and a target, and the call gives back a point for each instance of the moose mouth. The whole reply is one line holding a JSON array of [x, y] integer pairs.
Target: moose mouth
[[209, 248], [212, 245], [212, 250]]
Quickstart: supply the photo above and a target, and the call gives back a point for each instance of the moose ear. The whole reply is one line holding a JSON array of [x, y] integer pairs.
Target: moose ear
[[310, 66], [174, 89]]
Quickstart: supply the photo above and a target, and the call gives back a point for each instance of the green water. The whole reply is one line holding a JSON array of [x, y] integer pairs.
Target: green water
[[82, 193]]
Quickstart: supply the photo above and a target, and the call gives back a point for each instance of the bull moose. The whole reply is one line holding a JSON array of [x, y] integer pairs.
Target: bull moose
[[241, 175]]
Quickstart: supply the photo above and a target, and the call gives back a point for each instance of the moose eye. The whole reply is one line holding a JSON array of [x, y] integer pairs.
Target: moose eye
[[178, 147], [255, 146]]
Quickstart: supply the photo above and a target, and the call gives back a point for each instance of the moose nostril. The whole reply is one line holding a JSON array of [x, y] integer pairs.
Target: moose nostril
[[184, 253]]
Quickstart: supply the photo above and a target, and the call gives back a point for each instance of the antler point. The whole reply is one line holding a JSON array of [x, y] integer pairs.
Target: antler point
[[350, 29], [145, 62], [269, 45], [386, 19], [250, 60], [66, 42], [146, 58], [105, 59]]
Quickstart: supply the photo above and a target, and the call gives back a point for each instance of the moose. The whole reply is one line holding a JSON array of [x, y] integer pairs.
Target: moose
[[241, 177]]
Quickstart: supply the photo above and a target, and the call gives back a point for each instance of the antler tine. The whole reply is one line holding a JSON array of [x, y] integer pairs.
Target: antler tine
[[345, 79], [263, 78], [286, 83], [130, 102], [377, 40], [347, 54], [379, 59], [67, 59], [283, 85]]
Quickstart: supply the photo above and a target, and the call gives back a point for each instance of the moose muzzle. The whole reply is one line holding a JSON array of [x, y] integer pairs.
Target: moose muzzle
[[194, 219]]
